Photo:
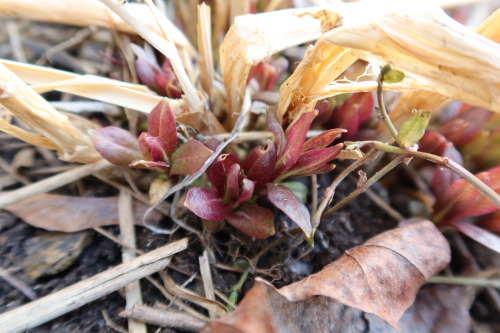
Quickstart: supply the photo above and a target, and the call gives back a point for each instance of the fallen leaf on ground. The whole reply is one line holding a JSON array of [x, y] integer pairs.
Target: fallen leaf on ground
[[69, 214], [52, 252], [381, 277]]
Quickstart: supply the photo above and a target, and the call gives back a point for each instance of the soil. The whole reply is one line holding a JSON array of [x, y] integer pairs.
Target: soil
[[283, 264]]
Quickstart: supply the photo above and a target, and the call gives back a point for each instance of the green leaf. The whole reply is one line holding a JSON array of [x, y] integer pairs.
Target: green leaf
[[391, 75], [413, 129], [299, 189]]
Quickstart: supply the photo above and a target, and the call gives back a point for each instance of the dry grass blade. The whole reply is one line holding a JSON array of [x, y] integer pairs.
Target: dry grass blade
[[254, 38], [73, 144], [86, 13], [429, 100], [432, 48], [206, 61], [127, 95]]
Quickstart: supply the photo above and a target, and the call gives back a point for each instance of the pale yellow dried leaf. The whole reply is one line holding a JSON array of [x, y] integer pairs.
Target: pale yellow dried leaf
[[32, 109], [86, 13], [432, 48], [254, 38], [205, 61]]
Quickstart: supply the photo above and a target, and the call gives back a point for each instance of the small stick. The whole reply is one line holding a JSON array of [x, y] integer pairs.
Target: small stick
[[466, 281], [164, 318], [52, 183], [63, 301], [207, 279], [18, 284], [127, 232]]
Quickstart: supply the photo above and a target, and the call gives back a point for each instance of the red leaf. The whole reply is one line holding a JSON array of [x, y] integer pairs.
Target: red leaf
[[146, 68], [260, 162], [464, 200], [464, 127], [284, 199], [491, 222], [189, 158], [480, 235], [355, 111], [294, 143], [381, 277], [218, 171], [274, 126], [206, 204], [116, 145], [161, 123], [154, 145], [247, 189], [322, 140], [232, 188], [313, 160], [253, 220]]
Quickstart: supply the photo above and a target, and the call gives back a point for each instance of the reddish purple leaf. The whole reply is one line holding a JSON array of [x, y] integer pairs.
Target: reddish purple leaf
[[161, 123], [154, 145], [464, 200], [260, 162], [294, 143], [274, 126], [206, 204], [464, 127], [253, 220], [355, 111], [312, 160], [232, 188], [146, 68], [144, 145], [247, 189], [116, 145], [322, 169], [284, 199], [322, 140], [189, 158], [480, 235], [218, 171], [490, 222], [169, 85]]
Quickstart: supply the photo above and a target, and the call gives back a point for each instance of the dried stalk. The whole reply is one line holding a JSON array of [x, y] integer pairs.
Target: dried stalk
[[63, 301], [87, 13], [72, 144], [206, 61], [164, 318]]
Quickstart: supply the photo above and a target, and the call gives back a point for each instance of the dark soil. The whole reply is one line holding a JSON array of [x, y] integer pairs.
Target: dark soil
[[282, 264]]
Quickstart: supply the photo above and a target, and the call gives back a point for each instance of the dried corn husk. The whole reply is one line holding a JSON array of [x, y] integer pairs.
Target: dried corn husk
[[87, 13], [433, 49], [428, 100], [254, 38], [53, 128], [128, 95]]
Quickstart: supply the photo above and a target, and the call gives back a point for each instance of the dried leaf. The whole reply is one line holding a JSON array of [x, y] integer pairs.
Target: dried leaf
[[69, 214], [253, 220], [380, 277], [284, 199], [206, 204], [116, 145]]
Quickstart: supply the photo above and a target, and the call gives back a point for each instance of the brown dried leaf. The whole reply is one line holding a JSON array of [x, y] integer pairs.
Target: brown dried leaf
[[381, 277], [69, 214]]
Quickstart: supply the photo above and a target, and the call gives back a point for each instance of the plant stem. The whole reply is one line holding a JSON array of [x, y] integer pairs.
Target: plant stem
[[330, 191], [235, 289], [466, 281], [379, 174], [383, 111]]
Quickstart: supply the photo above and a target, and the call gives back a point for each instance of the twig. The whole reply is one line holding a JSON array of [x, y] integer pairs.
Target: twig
[[314, 192], [112, 324], [330, 190], [207, 279], [63, 301], [127, 232], [18, 284], [379, 174], [384, 205], [164, 318], [52, 183]]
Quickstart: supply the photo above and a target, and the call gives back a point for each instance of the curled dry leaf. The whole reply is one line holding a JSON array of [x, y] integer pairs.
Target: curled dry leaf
[[69, 214], [381, 277]]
